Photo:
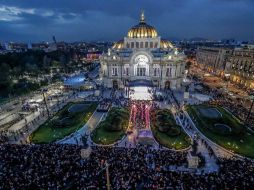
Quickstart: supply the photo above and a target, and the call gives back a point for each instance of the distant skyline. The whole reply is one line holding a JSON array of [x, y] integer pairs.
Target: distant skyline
[[110, 20]]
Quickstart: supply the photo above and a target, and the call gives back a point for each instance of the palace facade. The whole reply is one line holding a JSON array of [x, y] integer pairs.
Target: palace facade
[[142, 56]]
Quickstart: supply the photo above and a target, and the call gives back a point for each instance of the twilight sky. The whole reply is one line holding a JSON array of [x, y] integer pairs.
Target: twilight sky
[[73, 20]]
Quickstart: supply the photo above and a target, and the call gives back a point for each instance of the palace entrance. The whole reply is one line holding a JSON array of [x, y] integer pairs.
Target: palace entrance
[[141, 71], [141, 66]]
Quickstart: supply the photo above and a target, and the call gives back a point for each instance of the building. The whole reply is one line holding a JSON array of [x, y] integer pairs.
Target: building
[[237, 64], [240, 67], [213, 59], [142, 56]]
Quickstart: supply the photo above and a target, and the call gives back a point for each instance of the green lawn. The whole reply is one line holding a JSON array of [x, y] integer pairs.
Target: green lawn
[[48, 132], [178, 141], [240, 140], [113, 128]]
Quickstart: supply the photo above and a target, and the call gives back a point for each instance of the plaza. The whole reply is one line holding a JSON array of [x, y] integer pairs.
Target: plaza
[[138, 113]]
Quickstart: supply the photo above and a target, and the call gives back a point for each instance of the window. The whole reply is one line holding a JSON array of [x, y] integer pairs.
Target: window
[[137, 45], [127, 71], [141, 71], [114, 71], [167, 72], [151, 44], [156, 72], [146, 44], [132, 44], [141, 44], [128, 45]]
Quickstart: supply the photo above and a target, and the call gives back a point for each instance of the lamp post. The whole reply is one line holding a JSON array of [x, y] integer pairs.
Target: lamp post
[[107, 174], [251, 98]]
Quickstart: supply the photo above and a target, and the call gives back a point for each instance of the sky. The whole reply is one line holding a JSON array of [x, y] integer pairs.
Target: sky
[[110, 20]]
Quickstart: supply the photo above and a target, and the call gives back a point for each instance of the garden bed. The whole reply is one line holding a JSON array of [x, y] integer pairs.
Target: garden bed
[[113, 128], [54, 129], [238, 139], [167, 132]]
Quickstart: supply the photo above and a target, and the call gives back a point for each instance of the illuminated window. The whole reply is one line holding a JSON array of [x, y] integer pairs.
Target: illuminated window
[[114, 71]]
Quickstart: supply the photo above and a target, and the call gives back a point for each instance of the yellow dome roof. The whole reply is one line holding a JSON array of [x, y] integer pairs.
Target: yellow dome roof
[[118, 45], [142, 30], [165, 44]]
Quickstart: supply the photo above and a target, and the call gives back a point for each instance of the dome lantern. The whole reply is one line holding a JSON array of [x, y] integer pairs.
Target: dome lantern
[[142, 17], [142, 30]]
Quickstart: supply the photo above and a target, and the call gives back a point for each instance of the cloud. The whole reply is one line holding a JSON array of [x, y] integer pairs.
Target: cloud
[[8, 13], [110, 19]]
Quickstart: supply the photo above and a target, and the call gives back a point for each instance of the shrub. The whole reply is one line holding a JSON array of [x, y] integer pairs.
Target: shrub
[[114, 119], [174, 131]]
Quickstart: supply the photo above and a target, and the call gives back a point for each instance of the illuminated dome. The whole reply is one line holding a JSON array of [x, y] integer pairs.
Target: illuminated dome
[[142, 30], [166, 44], [118, 45]]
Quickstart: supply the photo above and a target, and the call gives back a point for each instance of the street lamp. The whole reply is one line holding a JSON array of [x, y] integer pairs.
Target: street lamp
[[107, 174], [251, 97]]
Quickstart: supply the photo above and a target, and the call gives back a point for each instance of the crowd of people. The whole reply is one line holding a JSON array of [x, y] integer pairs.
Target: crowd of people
[[56, 166]]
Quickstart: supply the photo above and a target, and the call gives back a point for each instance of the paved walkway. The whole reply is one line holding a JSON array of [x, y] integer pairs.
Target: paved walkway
[[219, 152], [19, 125], [211, 161]]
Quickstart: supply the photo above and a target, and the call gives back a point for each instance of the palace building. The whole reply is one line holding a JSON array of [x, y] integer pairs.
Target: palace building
[[142, 57]]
